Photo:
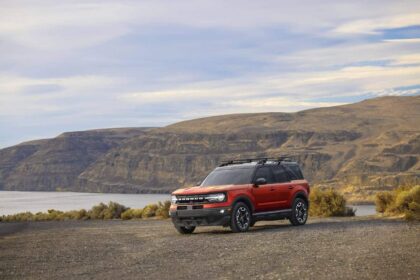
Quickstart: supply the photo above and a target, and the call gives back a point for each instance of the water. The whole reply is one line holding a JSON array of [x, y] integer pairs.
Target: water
[[364, 210], [12, 202]]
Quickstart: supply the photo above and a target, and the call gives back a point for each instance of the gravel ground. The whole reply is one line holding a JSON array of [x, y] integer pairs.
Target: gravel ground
[[339, 248]]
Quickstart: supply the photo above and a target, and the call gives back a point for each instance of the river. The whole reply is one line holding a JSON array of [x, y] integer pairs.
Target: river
[[12, 202]]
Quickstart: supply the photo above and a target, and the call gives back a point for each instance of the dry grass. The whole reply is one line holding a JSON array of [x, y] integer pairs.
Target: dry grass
[[328, 203], [403, 201], [102, 211]]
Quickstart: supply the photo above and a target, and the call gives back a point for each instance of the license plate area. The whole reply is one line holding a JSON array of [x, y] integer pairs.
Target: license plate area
[[189, 207]]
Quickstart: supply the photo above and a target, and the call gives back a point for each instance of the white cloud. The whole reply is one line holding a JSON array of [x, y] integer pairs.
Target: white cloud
[[289, 90], [372, 26], [77, 24]]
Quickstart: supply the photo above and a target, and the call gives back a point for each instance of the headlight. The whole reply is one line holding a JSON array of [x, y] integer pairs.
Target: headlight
[[216, 197], [174, 199]]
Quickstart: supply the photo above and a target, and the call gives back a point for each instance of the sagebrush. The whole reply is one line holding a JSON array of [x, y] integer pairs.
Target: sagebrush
[[328, 203], [112, 210], [404, 201]]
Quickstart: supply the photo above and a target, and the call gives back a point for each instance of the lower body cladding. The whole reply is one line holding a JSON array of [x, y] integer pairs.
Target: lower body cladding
[[191, 216]]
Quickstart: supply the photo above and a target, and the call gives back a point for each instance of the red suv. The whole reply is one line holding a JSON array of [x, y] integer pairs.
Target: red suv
[[239, 193]]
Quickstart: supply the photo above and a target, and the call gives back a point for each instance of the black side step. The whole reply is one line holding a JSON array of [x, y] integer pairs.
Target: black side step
[[272, 215]]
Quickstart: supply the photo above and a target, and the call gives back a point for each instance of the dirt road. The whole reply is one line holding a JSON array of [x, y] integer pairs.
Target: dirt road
[[339, 248]]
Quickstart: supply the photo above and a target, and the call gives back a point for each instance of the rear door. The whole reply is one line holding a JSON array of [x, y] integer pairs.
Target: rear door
[[265, 195], [283, 186]]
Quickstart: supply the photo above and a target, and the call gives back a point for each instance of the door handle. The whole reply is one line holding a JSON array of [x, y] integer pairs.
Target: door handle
[[291, 187], [272, 189]]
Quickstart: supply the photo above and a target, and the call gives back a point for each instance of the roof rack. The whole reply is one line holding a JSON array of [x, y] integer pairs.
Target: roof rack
[[258, 160]]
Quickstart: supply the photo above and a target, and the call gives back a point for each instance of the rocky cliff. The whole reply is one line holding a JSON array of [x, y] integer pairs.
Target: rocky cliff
[[55, 164]]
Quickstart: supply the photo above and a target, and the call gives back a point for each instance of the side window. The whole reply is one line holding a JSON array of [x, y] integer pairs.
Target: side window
[[264, 172], [294, 172], [280, 174]]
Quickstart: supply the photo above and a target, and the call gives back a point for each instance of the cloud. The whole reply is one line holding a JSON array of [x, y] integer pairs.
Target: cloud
[[88, 64], [375, 25]]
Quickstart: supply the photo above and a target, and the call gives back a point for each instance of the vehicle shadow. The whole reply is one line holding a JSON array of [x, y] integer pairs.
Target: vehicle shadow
[[316, 224]]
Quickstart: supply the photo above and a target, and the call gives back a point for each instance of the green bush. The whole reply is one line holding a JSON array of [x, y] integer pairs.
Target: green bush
[[401, 201], [328, 203]]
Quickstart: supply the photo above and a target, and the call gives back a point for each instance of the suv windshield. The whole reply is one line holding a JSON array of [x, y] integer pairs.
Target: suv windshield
[[230, 176]]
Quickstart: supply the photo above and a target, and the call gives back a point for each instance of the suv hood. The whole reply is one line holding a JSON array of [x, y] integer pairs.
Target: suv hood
[[209, 189]]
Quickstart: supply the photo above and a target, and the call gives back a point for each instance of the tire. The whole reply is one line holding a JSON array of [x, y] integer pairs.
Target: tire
[[241, 218], [252, 223], [185, 230], [300, 213]]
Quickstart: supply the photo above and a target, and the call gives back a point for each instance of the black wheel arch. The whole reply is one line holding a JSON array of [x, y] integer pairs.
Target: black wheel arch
[[245, 200], [302, 195]]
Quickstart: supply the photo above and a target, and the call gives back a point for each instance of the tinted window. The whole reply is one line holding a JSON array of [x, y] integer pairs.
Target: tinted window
[[264, 172], [234, 176], [294, 171], [280, 174]]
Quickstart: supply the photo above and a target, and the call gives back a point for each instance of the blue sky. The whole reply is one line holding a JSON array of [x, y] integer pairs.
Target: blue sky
[[76, 65]]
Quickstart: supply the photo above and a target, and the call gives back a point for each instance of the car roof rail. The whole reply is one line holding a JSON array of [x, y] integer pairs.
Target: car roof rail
[[261, 160]]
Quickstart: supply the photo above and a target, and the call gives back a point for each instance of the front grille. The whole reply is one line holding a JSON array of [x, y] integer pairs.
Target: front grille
[[188, 199]]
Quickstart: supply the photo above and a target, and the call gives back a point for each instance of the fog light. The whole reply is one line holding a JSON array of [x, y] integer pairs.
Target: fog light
[[222, 211]]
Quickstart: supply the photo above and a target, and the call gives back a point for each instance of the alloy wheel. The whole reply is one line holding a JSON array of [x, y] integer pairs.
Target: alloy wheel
[[301, 212], [243, 218]]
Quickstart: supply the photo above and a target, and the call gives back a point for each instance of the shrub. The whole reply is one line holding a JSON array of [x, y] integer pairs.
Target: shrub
[[328, 203], [149, 211], [97, 211], [163, 209], [112, 210], [20, 217], [132, 214], [383, 200], [402, 201]]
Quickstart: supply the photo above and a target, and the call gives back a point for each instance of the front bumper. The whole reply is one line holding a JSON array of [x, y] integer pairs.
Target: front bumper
[[201, 217]]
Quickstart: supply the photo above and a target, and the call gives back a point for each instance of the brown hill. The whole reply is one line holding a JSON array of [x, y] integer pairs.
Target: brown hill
[[361, 148], [55, 164], [374, 144]]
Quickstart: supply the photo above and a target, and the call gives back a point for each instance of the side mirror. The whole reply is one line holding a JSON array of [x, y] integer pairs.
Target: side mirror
[[260, 181]]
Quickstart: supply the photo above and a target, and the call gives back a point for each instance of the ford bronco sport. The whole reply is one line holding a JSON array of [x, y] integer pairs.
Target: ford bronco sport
[[239, 193]]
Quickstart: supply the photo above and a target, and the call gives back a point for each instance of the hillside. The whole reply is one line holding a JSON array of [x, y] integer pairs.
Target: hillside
[[360, 148], [55, 164], [373, 144]]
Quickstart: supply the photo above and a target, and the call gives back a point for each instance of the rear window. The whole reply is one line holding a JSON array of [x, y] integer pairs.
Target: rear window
[[228, 176], [280, 174], [294, 171]]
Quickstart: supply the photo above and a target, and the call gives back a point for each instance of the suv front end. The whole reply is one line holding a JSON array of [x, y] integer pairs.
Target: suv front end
[[203, 209]]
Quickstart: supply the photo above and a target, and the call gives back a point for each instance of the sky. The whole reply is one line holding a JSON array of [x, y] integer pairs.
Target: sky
[[78, 65]]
